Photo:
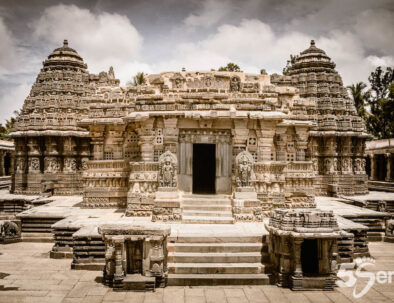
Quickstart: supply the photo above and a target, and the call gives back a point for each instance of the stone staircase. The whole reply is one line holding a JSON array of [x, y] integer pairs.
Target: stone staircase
[[219, 260], [207, 209], [381, 186]]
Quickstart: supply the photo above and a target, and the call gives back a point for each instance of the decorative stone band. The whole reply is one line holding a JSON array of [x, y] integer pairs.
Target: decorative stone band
[[60, 133]]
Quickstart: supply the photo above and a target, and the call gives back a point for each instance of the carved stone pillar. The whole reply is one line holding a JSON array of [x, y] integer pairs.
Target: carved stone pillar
[[388, 165], [280, 144], [146, 137], [297, 258], [34, 156], [373, 167], [170, 135], [97, 135], [2, 169], [51, 161], [70, 161], [266, 140], [119, 272], [301, 143], [84, 153]]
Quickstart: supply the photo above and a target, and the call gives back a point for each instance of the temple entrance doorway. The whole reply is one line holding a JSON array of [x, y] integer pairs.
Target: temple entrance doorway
[[204, 168], [309, 257], [7, 164], [134, 255]]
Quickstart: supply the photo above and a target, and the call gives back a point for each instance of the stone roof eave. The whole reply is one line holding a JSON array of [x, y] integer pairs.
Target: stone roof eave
[[55, 133], [210, 114]]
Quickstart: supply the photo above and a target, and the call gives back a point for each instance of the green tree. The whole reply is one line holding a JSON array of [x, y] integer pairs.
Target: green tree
[[230, 67], [8, 127], [138, 79], [360, 97], [380, 121]]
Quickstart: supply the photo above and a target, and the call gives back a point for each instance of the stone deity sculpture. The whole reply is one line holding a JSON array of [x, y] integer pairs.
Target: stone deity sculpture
[[244, 164], [167, 170]]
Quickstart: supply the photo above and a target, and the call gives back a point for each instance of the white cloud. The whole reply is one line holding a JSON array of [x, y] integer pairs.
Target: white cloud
[[8, 49], [102, 39], [372, 27], [12, 100], [254, 45]]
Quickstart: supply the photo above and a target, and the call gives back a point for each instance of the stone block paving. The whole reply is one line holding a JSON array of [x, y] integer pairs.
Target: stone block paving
[[29, 275]]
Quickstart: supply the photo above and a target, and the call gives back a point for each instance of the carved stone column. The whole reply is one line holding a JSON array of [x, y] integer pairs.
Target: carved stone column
[[34, 156], [297, 258], [119, 272], [266, 140], [170, 135], [97, 135], [388, 165], [51, 161], [301, 143], [70, 161], [2, 169], [373, 167], [84, 153], [146, 137]]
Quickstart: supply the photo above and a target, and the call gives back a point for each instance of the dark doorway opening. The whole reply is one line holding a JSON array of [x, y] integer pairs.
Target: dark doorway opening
[[381, 167], [309, 258], [368, 166], [134, 257], [204, 168], [7, 164]]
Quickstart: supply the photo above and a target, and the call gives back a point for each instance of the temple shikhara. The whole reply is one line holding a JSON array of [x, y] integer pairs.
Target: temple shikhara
[[196, 147]]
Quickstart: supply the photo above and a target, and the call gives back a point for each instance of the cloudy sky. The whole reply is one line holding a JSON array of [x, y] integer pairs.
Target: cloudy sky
[[154, 36]]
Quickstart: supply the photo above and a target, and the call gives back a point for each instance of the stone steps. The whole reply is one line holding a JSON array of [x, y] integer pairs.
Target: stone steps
[[207, 220], [216, 257], [219, 259], [215, 268], [214, 247], [217, 279], [207, 209], [207, 213], [230, 239]]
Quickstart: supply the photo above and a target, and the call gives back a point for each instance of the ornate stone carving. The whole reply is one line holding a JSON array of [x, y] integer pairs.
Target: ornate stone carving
[[244, 165], [34, 164], [10, 231], [235, 84], [168, 170]]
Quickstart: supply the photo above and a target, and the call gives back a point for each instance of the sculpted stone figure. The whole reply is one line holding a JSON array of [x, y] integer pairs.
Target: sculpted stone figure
[[235, 84], [34, 164], [167, 170], [9, 229], [390, 228], [244, 164], [20, 165]]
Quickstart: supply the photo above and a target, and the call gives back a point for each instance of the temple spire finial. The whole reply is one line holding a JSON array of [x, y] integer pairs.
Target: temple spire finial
[[312, 42], [65, 42]]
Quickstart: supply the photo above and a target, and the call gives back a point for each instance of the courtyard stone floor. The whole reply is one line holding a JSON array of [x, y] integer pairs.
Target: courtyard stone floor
[[29, 275]]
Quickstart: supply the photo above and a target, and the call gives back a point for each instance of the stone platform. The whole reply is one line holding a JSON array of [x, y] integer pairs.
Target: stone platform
[[198, 254], [29, 275], [374, 220]]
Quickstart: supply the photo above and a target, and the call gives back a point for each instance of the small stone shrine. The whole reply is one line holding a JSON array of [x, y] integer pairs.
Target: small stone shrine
[[135, 255], [303, 248]]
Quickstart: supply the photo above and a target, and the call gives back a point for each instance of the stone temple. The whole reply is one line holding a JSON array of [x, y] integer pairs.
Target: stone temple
[[197, 147]]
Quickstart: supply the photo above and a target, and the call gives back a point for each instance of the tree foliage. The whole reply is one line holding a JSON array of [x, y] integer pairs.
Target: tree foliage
[[7, 128], [360, 96], [230, 67], [380, 102], [138, 79]]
